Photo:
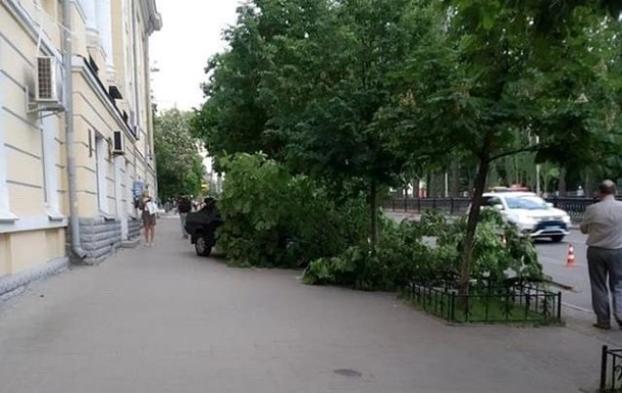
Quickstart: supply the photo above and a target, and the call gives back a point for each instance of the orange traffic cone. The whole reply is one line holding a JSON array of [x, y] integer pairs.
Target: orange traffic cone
[[570, 261]]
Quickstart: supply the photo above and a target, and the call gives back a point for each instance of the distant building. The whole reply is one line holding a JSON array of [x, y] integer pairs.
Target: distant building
[[111, 123]]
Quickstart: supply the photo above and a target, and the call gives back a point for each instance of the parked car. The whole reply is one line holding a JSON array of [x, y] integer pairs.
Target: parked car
[[202, 225], [532, 215]]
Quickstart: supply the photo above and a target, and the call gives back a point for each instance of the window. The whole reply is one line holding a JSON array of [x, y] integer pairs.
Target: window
[[492, 201], [49, 150], [5, 213], [529, 203], [101, 150]]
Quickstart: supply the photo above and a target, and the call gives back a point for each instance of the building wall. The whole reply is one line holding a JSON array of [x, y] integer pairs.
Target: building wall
[[33, 181], [34, 204]]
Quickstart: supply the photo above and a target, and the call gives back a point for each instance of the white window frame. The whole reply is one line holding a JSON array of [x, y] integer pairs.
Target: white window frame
[[5, 211], [49, 130], [129, 188], [101, 150]]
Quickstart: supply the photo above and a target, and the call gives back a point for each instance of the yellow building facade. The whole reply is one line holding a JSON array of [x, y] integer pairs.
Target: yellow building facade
[[76, 139]]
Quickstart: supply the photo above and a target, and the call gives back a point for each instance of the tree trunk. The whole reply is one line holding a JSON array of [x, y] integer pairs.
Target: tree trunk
[[373, 215], [428, 185], [590, 187], [469, 240], [455, 179], [561, 185]]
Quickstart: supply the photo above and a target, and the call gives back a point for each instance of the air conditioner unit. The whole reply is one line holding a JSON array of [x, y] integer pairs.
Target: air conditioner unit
[[118, 143], [46, 86]]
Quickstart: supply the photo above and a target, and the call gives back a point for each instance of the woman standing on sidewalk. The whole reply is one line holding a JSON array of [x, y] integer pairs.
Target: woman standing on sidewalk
[[149, 209]]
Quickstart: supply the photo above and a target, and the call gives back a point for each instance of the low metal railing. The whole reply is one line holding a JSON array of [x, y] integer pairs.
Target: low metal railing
[[513, 303], [611, 370], [574, 206], [453, 206]]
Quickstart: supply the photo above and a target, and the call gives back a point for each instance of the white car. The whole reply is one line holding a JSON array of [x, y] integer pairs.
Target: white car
[[532, 215]]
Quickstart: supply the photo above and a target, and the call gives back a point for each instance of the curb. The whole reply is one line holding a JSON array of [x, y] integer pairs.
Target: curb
[[563, 286]]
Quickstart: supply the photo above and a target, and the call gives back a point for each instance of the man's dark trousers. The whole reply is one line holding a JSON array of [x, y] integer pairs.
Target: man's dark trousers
[[605, 263]]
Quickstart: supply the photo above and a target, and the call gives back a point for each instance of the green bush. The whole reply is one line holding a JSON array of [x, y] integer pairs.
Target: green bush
[[272, 218], [429, 250]]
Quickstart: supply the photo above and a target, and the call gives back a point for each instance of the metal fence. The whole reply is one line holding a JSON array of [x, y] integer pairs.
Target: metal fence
[[453, 206], [575, 206], [514, 303], [611, 370]]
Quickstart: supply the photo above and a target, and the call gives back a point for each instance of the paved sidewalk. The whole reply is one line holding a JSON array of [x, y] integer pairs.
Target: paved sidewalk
[[162, 320]]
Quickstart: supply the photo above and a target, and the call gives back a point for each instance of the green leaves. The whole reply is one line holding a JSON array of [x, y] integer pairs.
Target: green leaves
[[272, 218], [179, 164], [427, 251], [353, 93]]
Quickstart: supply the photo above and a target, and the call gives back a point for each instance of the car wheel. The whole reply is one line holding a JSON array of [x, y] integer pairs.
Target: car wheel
[[557, 239], [201, 247]]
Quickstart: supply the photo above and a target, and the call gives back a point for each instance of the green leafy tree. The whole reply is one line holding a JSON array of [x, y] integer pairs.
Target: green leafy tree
[[232, 120], [347, 90], [492, 74], [179, 164], [274, 218], [303, 81], [327, 81]]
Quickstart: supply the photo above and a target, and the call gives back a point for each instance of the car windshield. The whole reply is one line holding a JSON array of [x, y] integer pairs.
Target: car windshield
[[529, 203]]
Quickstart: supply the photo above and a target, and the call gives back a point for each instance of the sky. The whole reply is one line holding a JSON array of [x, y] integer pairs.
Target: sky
[[191, 33]]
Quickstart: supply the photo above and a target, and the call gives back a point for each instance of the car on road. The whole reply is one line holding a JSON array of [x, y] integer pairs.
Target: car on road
[[532, 215]]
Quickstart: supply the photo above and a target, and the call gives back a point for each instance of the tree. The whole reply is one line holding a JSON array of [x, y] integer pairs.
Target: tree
[[491, 74], [232, 120], [303, 81], [179, 164], [348, 90]]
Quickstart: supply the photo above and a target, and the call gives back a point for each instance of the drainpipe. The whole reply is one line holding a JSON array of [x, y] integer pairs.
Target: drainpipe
[[70, 134], [135, 64]]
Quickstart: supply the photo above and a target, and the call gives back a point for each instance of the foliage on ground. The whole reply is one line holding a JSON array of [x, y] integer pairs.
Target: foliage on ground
[[274, 218], [429, 250]]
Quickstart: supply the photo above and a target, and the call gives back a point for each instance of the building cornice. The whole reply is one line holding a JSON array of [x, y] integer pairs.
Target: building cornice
[[79, 66], [151, 16]]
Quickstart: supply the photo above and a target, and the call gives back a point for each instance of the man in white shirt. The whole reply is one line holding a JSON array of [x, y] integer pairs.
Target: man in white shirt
[[603, 224]]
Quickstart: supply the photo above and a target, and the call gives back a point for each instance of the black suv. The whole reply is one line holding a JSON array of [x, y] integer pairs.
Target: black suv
[[202, 225]]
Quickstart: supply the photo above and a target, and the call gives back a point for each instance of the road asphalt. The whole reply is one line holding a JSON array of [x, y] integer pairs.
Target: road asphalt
[[164, 320], [553, 257]]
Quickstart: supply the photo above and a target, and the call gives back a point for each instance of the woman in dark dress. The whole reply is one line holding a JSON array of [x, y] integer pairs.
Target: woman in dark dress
[[149, 209]]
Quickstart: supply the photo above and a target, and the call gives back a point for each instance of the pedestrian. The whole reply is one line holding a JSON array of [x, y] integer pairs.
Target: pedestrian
[[580, 191], [183, 207], [149, 210], [602, 223]]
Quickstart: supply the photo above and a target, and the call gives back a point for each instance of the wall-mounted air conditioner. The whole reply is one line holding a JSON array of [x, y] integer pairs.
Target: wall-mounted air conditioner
[[46, 86], [118, 143]]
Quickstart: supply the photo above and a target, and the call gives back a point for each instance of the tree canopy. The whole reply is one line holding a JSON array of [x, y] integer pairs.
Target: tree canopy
[[364, 90], [179, 164], [494, 78]]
